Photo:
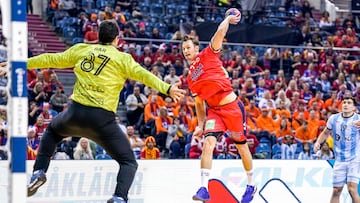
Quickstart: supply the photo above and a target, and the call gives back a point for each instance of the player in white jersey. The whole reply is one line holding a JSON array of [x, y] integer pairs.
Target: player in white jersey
[[346, 148]]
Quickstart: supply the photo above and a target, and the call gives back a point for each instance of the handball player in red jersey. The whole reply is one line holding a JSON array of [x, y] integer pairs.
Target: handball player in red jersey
[[209, 83]]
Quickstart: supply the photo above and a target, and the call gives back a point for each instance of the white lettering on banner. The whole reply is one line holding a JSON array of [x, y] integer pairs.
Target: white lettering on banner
[[83, 182], [20, 116], [19, 81], [79, 184], [19, 46], [176, 180]]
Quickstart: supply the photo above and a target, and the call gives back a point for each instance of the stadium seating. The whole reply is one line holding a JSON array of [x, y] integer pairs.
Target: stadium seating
[[101, 4], [187, 150], [103, 157], [276, 149], [171, 9], [88, 4], [168, 35], [41, 37], [72, 21], [276, 156], [144, 7], [69, 34], [157, 9], [165, 16], [264, 140], [161, 27], [77, 40], [265, 149]]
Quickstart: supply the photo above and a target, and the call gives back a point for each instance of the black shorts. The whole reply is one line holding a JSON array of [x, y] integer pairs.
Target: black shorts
[[96, 124]]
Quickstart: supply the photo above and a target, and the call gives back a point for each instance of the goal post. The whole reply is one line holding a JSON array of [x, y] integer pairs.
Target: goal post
[[16, 34]]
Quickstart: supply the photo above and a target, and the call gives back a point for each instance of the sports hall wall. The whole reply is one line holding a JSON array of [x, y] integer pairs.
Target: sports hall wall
[[164, 181]]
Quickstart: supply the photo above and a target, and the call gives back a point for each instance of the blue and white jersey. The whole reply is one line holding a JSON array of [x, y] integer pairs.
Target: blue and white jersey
[[346, 137], [305, 156], [288, 151]]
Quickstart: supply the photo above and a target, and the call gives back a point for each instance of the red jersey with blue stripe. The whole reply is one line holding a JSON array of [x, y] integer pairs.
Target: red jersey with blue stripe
[[207, 78]]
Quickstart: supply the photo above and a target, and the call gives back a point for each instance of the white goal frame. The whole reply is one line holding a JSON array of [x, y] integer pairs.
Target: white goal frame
[[16, 34]]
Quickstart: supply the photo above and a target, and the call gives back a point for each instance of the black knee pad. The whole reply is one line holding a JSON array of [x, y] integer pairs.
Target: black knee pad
[[239, 142], [217, 135]]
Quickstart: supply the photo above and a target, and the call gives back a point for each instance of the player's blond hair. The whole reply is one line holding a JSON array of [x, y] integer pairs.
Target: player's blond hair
[[193, 39]]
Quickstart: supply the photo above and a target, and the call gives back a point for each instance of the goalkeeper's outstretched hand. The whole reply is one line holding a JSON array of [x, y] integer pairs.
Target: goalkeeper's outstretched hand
[[176, 93]]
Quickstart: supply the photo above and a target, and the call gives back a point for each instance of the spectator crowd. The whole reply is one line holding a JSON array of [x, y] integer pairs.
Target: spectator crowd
[[289, 93]]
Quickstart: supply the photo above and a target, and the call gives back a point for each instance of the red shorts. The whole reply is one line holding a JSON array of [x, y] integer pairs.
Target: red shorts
[[229, 117]]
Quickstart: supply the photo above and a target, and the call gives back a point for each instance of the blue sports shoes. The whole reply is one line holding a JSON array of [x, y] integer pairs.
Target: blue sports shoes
[[201, 195], [116, 199], [37, 180], [249, 194]]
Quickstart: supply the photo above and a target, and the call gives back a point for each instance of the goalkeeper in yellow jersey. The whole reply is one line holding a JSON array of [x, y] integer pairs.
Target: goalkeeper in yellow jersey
[[101, 71]]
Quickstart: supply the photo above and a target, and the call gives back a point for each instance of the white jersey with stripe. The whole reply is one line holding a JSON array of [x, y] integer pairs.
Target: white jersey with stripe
[[346, 137]]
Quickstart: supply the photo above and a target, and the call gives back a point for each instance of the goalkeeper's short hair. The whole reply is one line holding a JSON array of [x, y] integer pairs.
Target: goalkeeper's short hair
[[108, 31]]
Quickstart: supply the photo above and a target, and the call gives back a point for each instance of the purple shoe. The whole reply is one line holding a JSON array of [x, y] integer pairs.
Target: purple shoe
[[201, 195], [249, 194]]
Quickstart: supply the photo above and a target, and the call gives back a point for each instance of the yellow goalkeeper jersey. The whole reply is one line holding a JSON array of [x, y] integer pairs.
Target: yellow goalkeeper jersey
[[101, 71]]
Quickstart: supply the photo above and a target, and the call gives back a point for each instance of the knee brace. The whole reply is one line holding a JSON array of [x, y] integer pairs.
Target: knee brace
[[239, 142], [217, 135]]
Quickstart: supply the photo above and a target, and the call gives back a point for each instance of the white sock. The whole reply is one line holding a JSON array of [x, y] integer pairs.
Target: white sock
[[205, 175], [249, 177]]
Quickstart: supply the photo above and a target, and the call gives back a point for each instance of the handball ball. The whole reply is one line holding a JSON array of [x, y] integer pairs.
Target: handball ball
[[233, 11]]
